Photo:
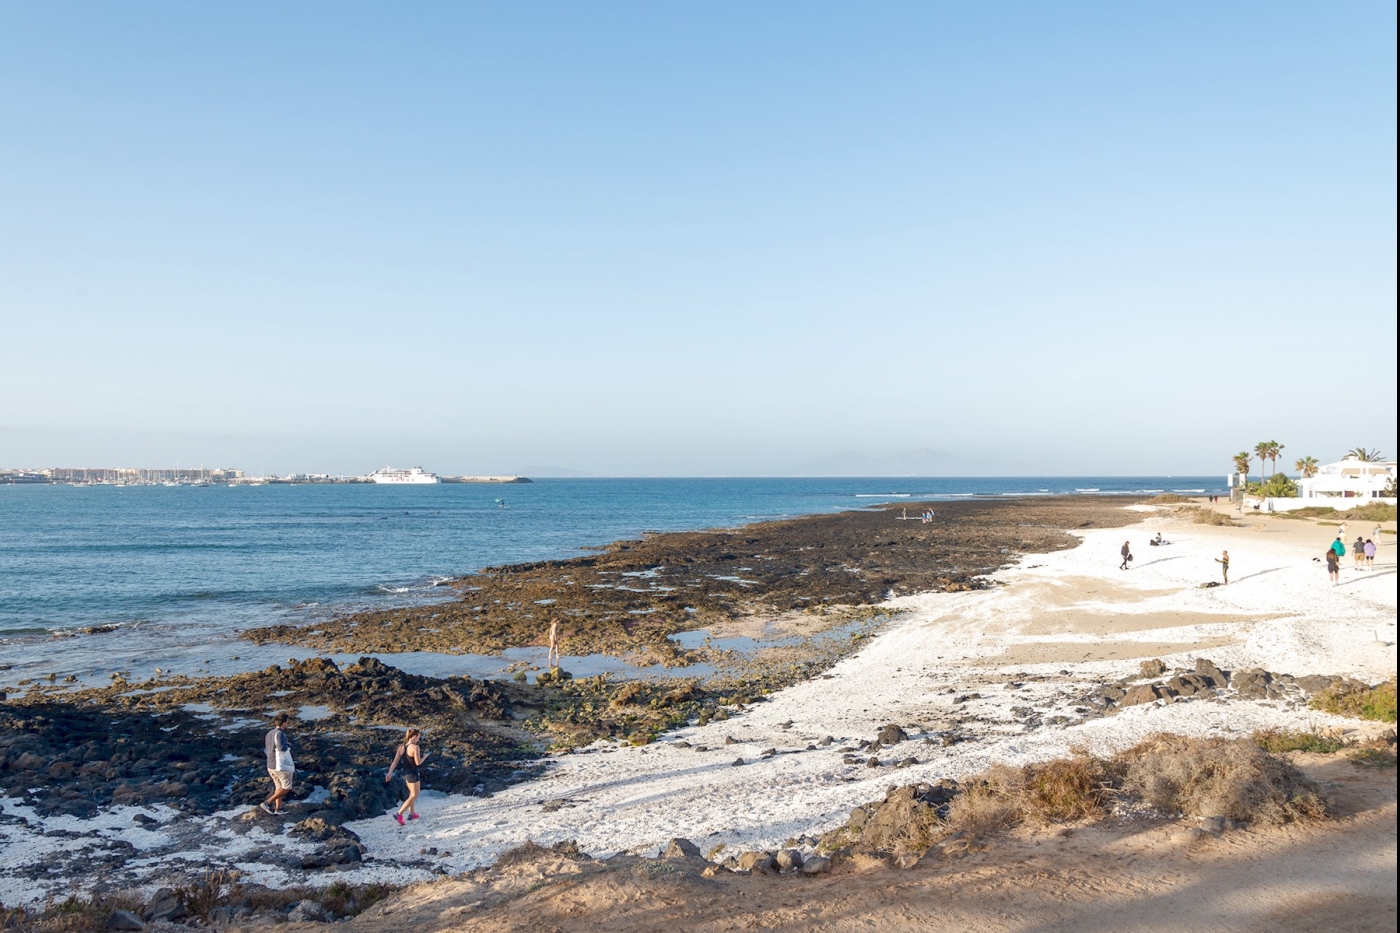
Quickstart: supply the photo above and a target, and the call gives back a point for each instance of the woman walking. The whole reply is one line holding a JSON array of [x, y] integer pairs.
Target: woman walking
[[1127, 553], [412, 757], [1224, 561], [1334, 561], [1370, 553]]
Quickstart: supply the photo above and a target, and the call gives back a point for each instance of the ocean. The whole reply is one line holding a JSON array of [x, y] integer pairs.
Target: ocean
[[176, 572]]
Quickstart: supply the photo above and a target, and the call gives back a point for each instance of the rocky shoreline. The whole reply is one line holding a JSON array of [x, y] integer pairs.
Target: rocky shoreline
[[630, 598]]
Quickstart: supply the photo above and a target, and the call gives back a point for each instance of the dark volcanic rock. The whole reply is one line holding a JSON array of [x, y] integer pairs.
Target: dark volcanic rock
[[696, 579]]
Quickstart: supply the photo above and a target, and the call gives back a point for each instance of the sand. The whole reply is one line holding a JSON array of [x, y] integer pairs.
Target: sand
[[1278, 613], [966, 662], [1335, 876]]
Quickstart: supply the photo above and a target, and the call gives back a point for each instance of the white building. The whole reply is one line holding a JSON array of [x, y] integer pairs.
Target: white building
[[1351, 478]]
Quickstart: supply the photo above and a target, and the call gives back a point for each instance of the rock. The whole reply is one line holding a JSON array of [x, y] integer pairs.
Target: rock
[[1215, 825], [738, 762], [826, 740], [1316, 683], [124, 920], [29, 762], [788, 860], [143, 819], [1153, 668], [173, 789], [1251, 684], [892, 735], [858, 818], [165, 906], [306, 910], [61, 770], [816, 865], [681, 849], [757, 861], [1142, 693], [907, 762], [1213, 675], [730, 740]]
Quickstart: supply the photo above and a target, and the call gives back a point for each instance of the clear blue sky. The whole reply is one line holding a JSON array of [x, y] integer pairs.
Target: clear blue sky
[[695, 238]]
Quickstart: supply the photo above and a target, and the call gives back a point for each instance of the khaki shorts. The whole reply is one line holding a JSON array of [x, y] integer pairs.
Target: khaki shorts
[[281, 780]]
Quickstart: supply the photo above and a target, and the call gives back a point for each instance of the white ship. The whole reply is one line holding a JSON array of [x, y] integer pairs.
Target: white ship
[[415, 476]]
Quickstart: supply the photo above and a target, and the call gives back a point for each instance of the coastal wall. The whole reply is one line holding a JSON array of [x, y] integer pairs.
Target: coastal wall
[[1273, 504]]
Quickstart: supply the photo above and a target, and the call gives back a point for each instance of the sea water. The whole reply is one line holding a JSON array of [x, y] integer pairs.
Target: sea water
[[179, 571]]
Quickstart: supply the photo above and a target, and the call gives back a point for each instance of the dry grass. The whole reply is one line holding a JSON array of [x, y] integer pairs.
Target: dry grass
[[1233, 778], [1174, 775], [1168, 498], [1357, 700], [1370, 512]]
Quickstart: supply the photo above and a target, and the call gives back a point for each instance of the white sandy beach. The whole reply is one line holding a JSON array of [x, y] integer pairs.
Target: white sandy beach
[[1072, 615], [1072, 618]]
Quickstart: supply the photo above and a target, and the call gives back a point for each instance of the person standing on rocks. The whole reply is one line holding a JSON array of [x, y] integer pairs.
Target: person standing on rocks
[[553, 644], [280, 766], [1224, 561], [412, 756], [1127, 553]]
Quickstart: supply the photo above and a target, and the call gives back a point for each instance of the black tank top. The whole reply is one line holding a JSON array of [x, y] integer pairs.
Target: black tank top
[[407, 766]]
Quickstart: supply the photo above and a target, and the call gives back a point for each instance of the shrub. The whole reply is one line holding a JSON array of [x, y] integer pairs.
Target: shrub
[[1211, 517], [1281, 740], [1357, 700], [1233, 778], [1279, 486], [1167, 498]]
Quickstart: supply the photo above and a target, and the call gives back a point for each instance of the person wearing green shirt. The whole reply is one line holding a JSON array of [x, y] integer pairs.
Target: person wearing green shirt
[[1339, 547]]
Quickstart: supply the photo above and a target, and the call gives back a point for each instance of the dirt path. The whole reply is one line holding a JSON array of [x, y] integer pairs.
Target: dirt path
[[1338, 876]]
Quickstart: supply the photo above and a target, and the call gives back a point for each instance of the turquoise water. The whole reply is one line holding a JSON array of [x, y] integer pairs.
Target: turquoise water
[[180, 569]]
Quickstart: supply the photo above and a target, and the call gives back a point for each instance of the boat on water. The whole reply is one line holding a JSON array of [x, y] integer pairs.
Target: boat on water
[[413, 476]]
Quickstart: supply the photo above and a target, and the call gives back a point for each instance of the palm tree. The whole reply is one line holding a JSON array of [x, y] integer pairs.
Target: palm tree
[[1370, 456], [1242, 465], [1275, 448], [1306, 467], [1261, 450]]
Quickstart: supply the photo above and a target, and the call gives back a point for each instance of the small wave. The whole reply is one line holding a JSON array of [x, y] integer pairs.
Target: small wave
[[882, 495], [381, 588], [1188, 490], [1090, 489]]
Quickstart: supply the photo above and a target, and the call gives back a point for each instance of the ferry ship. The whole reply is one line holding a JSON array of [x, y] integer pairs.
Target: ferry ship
[[415, 476]]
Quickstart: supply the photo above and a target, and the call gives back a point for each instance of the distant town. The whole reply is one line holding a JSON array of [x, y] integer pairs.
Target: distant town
[[141, 476]]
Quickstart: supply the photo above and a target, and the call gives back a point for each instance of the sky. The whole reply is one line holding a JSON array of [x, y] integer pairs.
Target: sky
[[696, 238]]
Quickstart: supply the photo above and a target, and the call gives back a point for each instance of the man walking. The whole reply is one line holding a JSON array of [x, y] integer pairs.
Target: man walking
[[279, 764], [1127, 553]]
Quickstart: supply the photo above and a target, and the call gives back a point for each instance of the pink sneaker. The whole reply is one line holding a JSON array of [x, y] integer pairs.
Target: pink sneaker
[[413, 816], [399, 817]]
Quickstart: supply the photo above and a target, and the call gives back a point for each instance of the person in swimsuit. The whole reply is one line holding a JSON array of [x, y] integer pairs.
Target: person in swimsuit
[[554, 643], [1224, 561], [412, 757]]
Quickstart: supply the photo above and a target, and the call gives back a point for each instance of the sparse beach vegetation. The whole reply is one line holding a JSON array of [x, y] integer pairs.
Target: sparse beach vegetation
[[1358, 700], [1170, 775]]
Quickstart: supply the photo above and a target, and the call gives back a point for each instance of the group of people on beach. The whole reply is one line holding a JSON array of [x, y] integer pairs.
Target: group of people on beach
[[1363, 554], [408, 758]]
